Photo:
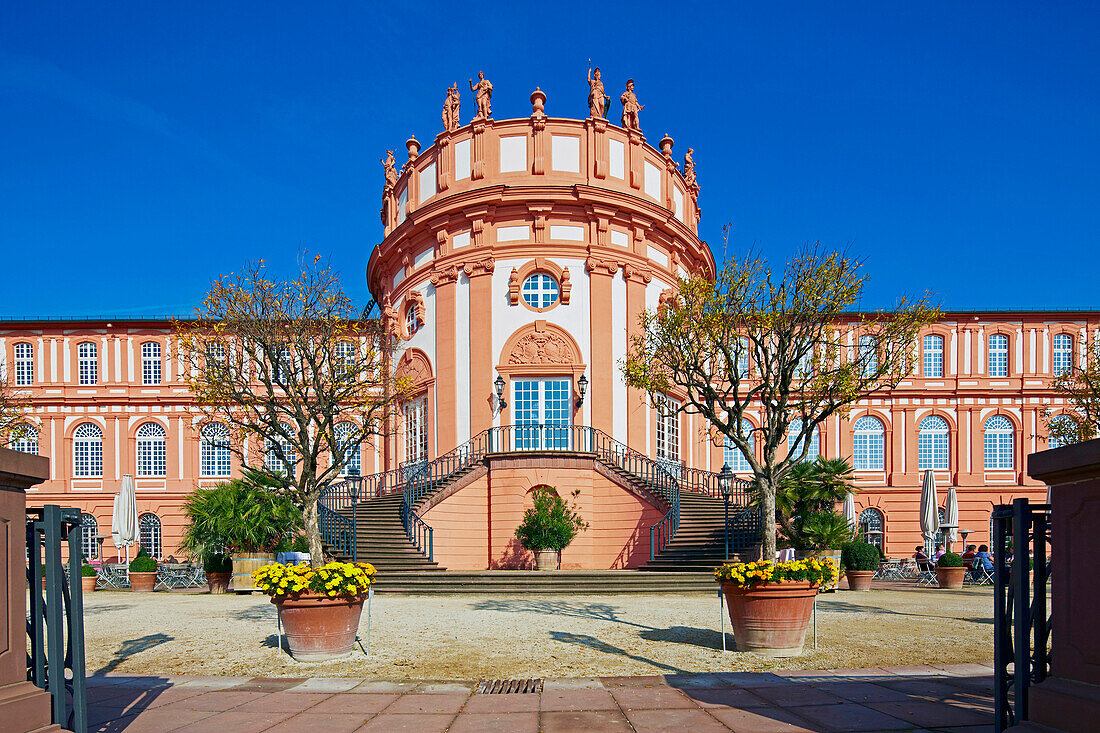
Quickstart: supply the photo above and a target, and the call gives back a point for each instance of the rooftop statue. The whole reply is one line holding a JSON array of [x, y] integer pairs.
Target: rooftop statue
[[631, 108], [597, 100], [390, 170], [484, 91], [389, 202], [450, 109], [689, 172]]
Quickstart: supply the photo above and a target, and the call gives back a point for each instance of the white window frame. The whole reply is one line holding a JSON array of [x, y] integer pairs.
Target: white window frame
[[286, 464], [151, 457], [27, 442], [815, 440], [540, 290], [416, 431], [412, 321], [89, 532], [933, 355], [868, 519], [353, 459], [668, 431], [215, 460], [150, 534], [88, 451], [732, 455], [544, 406], [999, 444], [933, 444], [868, 355], [1062, 353], [868, 444], [87, 356], [24, 363], [998, 356], [150, 362]]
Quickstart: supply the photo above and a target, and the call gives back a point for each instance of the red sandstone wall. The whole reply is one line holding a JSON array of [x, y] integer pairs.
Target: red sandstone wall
[[475, 527]]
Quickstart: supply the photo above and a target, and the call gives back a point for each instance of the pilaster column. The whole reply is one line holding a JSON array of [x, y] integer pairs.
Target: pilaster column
[[636, 402], [600, 391], [444, 279], [482, 400]]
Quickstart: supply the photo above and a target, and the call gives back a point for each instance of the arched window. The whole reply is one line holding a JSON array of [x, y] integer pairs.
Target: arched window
[[88, 451], [284, 463], [87, 363], [998, 355], [89, 530], [540, 290], [870, 527], [412, 321], [214, 457], [868, 355], [932, 448], [27, 442], [150, 362], [1063, 353], [998, 443], [150, 450], [1061, 428], [345, 433], [793, 432], [732, 455], [24, 364], [933, 356], [868, 444], [149, 534]]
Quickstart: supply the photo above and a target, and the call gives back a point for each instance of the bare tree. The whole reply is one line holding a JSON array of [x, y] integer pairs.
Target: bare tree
[[786, 348], [13, 417], [295, 372], [1080, 384]]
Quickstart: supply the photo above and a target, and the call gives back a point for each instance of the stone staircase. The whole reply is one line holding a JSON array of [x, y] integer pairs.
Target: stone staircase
[[381, 538], [699, 542], [556, 582]]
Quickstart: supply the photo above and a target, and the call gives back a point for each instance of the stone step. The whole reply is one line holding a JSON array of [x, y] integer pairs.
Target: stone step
[[561, 582]]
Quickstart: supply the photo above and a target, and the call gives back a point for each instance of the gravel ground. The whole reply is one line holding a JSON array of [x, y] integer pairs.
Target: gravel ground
[[519, 636]]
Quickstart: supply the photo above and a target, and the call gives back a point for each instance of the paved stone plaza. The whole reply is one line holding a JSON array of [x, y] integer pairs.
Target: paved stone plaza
[[955, 698]]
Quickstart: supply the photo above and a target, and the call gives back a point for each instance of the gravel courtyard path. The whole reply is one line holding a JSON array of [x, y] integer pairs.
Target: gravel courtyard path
[[475, 637]]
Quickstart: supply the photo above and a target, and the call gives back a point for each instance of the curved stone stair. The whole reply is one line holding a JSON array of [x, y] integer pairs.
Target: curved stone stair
[[699, 542]]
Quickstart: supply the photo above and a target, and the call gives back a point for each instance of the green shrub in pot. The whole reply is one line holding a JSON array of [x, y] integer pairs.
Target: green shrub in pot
[[950, 560], [860, 556], [143, 563]]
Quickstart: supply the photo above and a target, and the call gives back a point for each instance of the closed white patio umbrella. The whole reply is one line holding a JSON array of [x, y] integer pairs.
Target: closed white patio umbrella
[[929, 511], [951, 517], [124, 516], [850, 511]]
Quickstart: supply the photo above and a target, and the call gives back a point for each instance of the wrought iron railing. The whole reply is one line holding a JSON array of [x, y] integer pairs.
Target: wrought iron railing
[[1021, 619], [743, 529], [336, 508], [55, 622]]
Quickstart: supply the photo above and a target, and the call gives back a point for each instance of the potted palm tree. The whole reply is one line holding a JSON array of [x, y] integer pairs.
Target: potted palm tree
[[806, 509], [549, 527], [860, 561], [246, 518], [143, 572]]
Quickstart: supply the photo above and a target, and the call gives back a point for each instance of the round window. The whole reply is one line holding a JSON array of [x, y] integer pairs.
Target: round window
[[412, 323], [540, 290]]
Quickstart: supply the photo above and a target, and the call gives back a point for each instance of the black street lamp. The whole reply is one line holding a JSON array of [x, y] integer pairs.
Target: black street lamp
[[725, 485]]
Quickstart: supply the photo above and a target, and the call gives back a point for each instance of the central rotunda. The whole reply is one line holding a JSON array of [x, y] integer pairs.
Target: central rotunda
[[517, 257]]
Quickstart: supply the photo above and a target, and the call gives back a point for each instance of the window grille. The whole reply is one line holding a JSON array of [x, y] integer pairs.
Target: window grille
[[27, 442], [151, 450], [88, 451], [1065, 424], [732, 455], [87, 363], [668, 430], [870, 527], [868, 355], [150, 362], [89, 531], [793, 432], [998, 443], [285, 463], [933, 356], [540, 290], [345, 357], [416, 431], [1063, 353], [214, 457], [932, 448], [353, 460], [868, 444], [998, 355], [149, 534], [412, 322], [24, 364]]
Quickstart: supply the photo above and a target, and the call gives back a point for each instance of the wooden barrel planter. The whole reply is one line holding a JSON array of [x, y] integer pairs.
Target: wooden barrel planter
[[243, 565]]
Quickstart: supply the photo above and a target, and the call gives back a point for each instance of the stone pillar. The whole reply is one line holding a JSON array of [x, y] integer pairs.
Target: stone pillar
[[444, 280], [603, 370], [1069, 700], [637, 403], [482, 400], [22, 705]]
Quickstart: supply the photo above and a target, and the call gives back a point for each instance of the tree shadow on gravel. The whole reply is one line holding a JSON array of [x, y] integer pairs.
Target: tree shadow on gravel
[[106, 608], [568, 609], [132, 647], [265, 612], [845, 607], [705, 638], [592, 642]]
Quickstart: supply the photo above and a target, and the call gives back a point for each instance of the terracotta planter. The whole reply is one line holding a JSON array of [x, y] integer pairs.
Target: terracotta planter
[[859, 579], [950, 578], [218, 582], [319, 628], [243, 565], [547, 560], [770, 619], [142, 582], [87, 584]]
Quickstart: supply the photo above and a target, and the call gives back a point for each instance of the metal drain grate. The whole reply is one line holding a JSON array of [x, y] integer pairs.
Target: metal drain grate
[[505, 687]]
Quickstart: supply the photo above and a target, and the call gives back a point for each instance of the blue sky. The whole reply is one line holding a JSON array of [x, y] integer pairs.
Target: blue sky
[[148, 148]]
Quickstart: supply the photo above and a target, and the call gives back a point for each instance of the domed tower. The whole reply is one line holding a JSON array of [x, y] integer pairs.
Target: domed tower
[[517, 257]]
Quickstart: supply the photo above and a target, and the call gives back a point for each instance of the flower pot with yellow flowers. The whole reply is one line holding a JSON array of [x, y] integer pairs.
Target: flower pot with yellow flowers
[[319, 608], [770, 603]]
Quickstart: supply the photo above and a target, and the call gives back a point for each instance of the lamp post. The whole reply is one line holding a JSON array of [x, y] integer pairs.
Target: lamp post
[[725, 485]]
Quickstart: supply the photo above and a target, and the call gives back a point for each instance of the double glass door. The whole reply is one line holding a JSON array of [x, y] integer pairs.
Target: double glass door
[[543, 413]]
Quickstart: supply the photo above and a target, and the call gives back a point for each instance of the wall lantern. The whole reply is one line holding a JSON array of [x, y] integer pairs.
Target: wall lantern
[[499, 383], [582, 387]]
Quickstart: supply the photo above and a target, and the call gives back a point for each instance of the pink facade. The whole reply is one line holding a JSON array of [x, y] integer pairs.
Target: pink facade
[[524, 250]]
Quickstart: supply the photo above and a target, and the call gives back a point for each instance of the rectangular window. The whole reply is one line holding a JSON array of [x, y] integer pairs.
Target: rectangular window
[[868, 355], [1063, 354], [24, 364], [998, 355], [668, 431], [565, 153], [616, 158], [543, 413], [933, 356], [427, 182], [932, 451], [150, 363], [87, 363], [652, 181]]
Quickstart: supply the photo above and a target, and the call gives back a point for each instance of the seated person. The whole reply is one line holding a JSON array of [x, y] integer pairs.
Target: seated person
[[983, 561], [939, 552], [968, 556], [921, 558]]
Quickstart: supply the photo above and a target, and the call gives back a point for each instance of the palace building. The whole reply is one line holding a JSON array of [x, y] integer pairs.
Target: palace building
[[516, 257]]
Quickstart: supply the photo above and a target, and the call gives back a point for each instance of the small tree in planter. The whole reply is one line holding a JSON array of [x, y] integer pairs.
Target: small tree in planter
[[88, 577], [143, 572], [950, 569], [860, 561], [219, 569], [549, 527]]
